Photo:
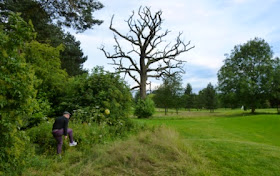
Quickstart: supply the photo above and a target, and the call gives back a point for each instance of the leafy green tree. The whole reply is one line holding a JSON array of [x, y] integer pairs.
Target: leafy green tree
[[169, 94], [17, 93], [188, 97], [188, 90], [72, 57], [163, 97], [247, 73], [199, 100], [209, 96], [41, 14], [45, 61], [275, 87], [68, 13]]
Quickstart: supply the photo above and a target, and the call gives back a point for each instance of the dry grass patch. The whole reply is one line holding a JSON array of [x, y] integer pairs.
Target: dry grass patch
[[157, 152]]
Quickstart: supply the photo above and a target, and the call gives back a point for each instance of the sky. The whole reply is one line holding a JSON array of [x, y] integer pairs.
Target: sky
[[213, 27]]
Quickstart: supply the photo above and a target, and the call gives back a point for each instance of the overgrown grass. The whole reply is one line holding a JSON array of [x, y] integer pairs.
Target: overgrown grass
[[233, 142], [157, 151], [89, 137]]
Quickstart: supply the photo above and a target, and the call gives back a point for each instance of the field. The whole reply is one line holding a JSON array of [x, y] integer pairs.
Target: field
[[229, 142]]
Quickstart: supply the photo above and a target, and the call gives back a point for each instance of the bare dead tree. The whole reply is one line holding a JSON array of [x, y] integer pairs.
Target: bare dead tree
[[148, 45]]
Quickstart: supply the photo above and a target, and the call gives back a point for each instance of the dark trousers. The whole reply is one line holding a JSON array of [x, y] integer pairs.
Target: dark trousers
[[57, 134]]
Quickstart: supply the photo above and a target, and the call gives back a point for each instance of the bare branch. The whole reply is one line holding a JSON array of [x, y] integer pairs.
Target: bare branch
[[135, 87], [128, 38]]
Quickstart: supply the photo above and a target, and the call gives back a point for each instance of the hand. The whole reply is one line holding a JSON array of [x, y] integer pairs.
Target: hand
[[65, 137]]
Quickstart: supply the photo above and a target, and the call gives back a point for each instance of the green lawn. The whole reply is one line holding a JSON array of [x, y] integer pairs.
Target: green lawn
[[233, 142]]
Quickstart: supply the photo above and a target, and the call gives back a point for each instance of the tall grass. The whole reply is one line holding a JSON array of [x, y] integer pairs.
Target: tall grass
[[88, 136], [158, 151]]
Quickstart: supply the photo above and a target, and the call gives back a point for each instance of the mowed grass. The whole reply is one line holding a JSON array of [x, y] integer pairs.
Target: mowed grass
[[231, 142]]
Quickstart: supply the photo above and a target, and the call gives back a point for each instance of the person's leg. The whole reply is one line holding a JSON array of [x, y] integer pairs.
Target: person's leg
[[58, 136], [70, 133]]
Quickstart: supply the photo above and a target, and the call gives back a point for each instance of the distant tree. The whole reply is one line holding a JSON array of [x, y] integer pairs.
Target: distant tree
[[209, 97], [163, 97], [247, 73], [169, 94], [275, 87], [188, 90], [147, 43], [199, 100], [177, 92], [188, 97]]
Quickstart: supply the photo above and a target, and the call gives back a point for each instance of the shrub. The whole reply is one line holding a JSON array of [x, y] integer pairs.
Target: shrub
[[41, 137], [100, 89], [144, 108], [14, 148]]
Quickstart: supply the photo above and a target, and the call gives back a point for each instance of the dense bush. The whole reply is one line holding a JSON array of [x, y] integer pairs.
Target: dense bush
[[17, 94], [96, 92], [144, 108]]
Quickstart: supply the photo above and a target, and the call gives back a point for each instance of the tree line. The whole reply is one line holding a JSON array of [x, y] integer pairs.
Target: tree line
[[249, 78], [171, 94]]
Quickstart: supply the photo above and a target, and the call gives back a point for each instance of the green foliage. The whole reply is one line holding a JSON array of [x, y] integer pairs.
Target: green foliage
[[144, 108], [17, 94], [247, 73], [42, 138], [45, 61], [209, 97], [15, 147], [72, 57], [188, 97], [275, 87], [99, 89], [169, 94], [75, 14]]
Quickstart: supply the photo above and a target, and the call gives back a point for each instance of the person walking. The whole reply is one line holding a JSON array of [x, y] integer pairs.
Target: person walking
[[60, 128]]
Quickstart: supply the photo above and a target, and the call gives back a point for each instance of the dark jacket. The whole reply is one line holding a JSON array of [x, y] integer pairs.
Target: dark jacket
[[61, 122]]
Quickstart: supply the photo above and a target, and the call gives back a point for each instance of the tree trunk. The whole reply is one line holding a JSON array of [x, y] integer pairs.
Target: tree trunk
[[253, 110], [143, 89], [165, 111], [143, 77]]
